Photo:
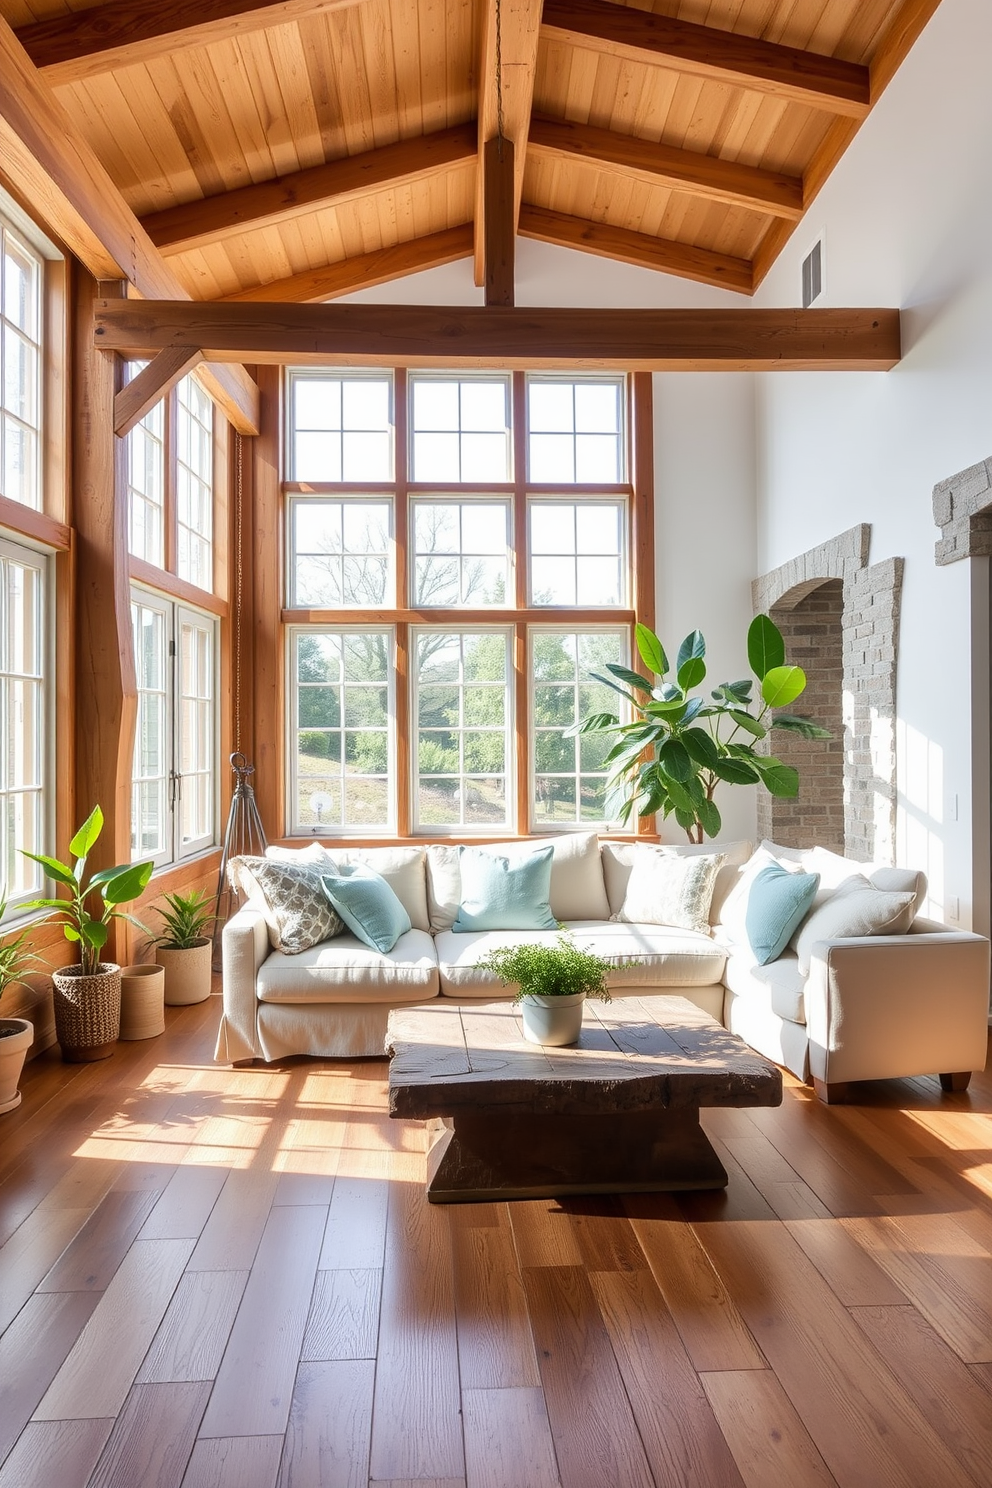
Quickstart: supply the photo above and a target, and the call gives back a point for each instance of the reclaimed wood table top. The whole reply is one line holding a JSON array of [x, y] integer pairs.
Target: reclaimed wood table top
[[634, 1054]]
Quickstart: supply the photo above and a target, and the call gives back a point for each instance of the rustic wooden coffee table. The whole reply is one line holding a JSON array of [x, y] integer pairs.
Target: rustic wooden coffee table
[[618, 1112]]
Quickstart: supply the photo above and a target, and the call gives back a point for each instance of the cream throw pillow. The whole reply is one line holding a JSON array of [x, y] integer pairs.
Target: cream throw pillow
[[854, 912], [665, 890]]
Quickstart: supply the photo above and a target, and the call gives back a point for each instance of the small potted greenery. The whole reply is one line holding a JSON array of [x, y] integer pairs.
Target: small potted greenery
[[87, 996], [553, 982], [16, 1034], [184, 948]]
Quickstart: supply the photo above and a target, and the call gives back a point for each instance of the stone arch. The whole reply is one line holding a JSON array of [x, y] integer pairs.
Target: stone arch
[[840, 618]]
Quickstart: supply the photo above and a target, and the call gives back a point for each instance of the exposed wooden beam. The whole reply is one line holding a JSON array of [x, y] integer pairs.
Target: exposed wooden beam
[[497, 165], [492, 336], [520, 25], [48, 163], [84, 43], [892, 50], [178, 229], [151, 385], [764, 66], [682, 259], [365, 270], [684, 170]]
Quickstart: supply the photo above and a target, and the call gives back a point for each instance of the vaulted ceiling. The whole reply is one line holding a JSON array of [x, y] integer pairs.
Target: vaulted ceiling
[[300, 150]]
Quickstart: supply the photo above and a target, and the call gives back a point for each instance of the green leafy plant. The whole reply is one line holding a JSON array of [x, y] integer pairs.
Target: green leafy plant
[[185, 919], [676, 749], [15, 959], [114, 887], [561, 970]]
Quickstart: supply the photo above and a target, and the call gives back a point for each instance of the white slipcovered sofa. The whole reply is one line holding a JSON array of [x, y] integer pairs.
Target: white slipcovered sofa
[[876, 1007]]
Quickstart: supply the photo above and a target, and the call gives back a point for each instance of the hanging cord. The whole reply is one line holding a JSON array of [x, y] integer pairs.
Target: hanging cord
[[500, 136], [238, 585]]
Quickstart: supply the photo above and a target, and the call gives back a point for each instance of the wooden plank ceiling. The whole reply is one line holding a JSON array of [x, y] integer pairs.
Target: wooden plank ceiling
[[304, 149]]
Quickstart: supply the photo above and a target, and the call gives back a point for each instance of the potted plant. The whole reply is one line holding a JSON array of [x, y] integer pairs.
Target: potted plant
[[185, 948], [87, 996], [553, 982], [16, 1034], [676, 749]]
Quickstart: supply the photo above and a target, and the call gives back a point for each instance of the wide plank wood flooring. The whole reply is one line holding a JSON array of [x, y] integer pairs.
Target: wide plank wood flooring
[[216, 1278]]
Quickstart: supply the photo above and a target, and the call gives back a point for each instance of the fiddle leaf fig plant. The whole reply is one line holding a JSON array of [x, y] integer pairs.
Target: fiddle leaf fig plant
[[675, 749]]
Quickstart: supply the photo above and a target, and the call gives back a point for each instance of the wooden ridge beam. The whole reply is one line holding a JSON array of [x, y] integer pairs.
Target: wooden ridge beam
[[520, 26], [48, 163], [682, 259], [84, 43], [684, 170], [787, 72], [151, 384], [364, 271], [500, 226], [179, 229], [493, 336]]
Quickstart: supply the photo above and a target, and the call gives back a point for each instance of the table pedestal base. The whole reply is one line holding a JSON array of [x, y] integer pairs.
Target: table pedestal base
[[488, 1156]]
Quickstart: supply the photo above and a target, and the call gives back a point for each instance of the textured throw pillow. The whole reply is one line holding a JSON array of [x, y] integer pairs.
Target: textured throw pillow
[[664, 890], [504, 894], [367, 905], [857, 912], [776, 903], [292, 899]]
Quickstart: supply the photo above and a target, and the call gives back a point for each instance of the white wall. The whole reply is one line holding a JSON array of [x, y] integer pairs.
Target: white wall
[[908, 222]]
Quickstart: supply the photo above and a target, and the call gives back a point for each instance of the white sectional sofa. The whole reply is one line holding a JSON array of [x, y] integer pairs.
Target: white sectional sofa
[[876, 1007]]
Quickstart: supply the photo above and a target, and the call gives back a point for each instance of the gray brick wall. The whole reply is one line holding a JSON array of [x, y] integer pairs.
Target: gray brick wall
[[961, 509]]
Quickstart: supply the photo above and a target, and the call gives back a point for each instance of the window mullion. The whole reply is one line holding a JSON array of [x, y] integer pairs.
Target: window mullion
[[169, 494], [406, 736]]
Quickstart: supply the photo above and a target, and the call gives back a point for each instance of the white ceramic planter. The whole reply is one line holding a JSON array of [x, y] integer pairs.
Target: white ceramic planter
[[187, 972], [142, 1001], [555, 1021], [15, 1041]]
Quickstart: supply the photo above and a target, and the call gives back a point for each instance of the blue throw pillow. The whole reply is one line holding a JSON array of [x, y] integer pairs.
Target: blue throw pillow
[[368, 906], [505, 893], [777, 902]]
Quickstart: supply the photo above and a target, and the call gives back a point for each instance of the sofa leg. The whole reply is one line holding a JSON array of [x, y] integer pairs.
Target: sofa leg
[[960, 1080], [832, 1092]]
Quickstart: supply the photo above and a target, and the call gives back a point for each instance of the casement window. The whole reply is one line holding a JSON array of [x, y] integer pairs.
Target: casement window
[[25, 773], [21, 280], [174, 775], [459, 557], [170, 484]]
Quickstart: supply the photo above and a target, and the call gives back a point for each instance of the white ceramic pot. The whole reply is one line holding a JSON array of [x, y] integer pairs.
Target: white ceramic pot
[[15, 1041], [187, 972], [552, 1020], [142, 1001]]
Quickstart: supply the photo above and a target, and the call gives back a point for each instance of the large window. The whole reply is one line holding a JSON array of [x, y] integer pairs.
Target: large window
[[23, 764], [21, 275], [170, 484], [459, 557], [174, 777]]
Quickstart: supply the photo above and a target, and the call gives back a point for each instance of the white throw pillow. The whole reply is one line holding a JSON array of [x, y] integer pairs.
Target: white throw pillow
[[668, 890], [619, 859], [854, 912]]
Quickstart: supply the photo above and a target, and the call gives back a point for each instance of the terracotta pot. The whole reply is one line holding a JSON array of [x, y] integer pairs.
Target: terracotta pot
[[15, 1041], [187, 972], [554, 1021], [87, 1011], [142, 1001]]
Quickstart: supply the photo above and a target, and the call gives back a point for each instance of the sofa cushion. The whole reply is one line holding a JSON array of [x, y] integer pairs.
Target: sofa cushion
[[855, 912], [502, 893], [661, 956], [291, 898], [403, 868], [345, 970], [577, 888], [778, 987], [667, 890], [619, 857]]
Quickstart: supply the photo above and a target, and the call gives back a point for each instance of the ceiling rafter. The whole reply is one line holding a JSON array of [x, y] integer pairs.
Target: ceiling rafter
[[520, 24], [364, 270], [179, 229], [767, 191], [85, 43], [787, 72]]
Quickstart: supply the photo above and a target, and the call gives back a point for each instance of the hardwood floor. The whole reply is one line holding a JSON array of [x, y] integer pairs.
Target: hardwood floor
[[216, 1278]]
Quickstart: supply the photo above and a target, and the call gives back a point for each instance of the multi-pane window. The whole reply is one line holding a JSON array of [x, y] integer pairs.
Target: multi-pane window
[[174, 774], [341, 733], [445, 616], [146, 483], [194, 483], [21, 272], [23, 764], [170, 484]]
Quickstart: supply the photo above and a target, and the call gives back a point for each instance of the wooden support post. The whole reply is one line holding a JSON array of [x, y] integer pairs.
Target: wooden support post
[[499, 223], [106, 694], [264, 610]]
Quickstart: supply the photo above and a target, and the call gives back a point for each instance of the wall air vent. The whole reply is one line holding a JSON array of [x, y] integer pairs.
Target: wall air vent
[[813, 274]]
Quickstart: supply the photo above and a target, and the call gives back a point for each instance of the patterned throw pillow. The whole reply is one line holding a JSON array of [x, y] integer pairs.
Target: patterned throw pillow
[[291, 896], [672, 891]]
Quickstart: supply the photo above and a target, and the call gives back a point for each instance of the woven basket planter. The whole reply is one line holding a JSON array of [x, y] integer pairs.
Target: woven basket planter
[[187, 972], [142, 1001], [87, 1011]]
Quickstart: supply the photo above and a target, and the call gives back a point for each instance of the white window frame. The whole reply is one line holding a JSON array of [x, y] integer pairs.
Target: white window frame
[[459, 376], [40, 560], [574, 499], [10, 228], [339, 498], [574, 379], [468, 498], [175, 850], [186, 415], [296, 375]]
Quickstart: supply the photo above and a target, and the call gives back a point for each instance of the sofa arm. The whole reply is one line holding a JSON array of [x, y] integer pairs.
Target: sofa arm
[[245, 947], [888, 1006]]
